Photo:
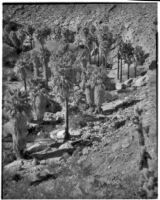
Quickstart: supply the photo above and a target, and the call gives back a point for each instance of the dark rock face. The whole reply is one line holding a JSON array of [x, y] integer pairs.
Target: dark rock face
[[153, 65]]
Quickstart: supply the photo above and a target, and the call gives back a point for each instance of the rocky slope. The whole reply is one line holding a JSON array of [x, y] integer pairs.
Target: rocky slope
[[135, 21], [102, 158]]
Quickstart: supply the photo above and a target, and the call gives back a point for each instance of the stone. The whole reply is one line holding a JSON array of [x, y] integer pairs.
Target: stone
[[52, 134], [128, 82], [153, 65], [77, 132], [8, 129], [117, 104], [142, 81], [66, 145], [43, 162], [35, 162], [85, 151], [61, 134], [51, 154], [53, 161], [36, 147], [120, 86], [13, 167], [118, 124]]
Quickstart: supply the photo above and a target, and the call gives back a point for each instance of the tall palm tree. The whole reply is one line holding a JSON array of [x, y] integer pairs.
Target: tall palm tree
[[20, 69], [63, 87], [42, 35]]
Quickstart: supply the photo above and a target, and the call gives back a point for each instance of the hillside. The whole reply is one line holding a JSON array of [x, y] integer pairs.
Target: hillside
[[111, 154], [135, 21]]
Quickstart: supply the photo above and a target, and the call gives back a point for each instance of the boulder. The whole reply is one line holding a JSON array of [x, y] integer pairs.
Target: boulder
[[113, 106], [52, 134], [120, 86], [13, 167], [128, 82], [119, 123], [77, 132], [61, 134], [153, 65], [36, 147], [42, 176], [52, 154], [8, 129], [142, 81], [66, 145]]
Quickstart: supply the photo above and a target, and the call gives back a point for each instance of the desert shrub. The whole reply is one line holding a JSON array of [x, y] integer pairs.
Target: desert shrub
[[7, 155], [77, 121], [140, 55]]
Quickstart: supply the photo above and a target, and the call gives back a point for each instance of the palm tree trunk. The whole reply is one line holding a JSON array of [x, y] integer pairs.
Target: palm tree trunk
[[67, 136], [128, 69], [121, 71], [45, 75], [44, 69], [118, 68], [35, 72], [25, 85], [135, 69]]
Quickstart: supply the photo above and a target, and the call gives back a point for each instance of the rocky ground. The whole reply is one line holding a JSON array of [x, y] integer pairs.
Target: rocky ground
[[101, 160]]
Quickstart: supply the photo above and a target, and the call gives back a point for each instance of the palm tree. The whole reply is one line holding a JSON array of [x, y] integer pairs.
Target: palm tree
[[127, 54], [139, 57], [63, 86], [36, 63], [20, 111], [42, 35], [20, 69]]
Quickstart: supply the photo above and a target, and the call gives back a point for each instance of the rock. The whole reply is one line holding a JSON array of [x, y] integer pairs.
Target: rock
[[36, 147], [143, 73], [141, 81], [53, 135], [86, 135], [96, 128], [90, 124], [61, 134], [118, 124], [77, 132], [120, 86], [8, 129], [57, 117], [53, 161], [35, 162], [125, 145], [113, 106], [153, 65], [128, 82], [85, 151], [16, 177], [66, 145], [32, 125], [105, 141], [51, 154], [43, 162], [42, 176], [13, 167], [110, 107], [57, 134]]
